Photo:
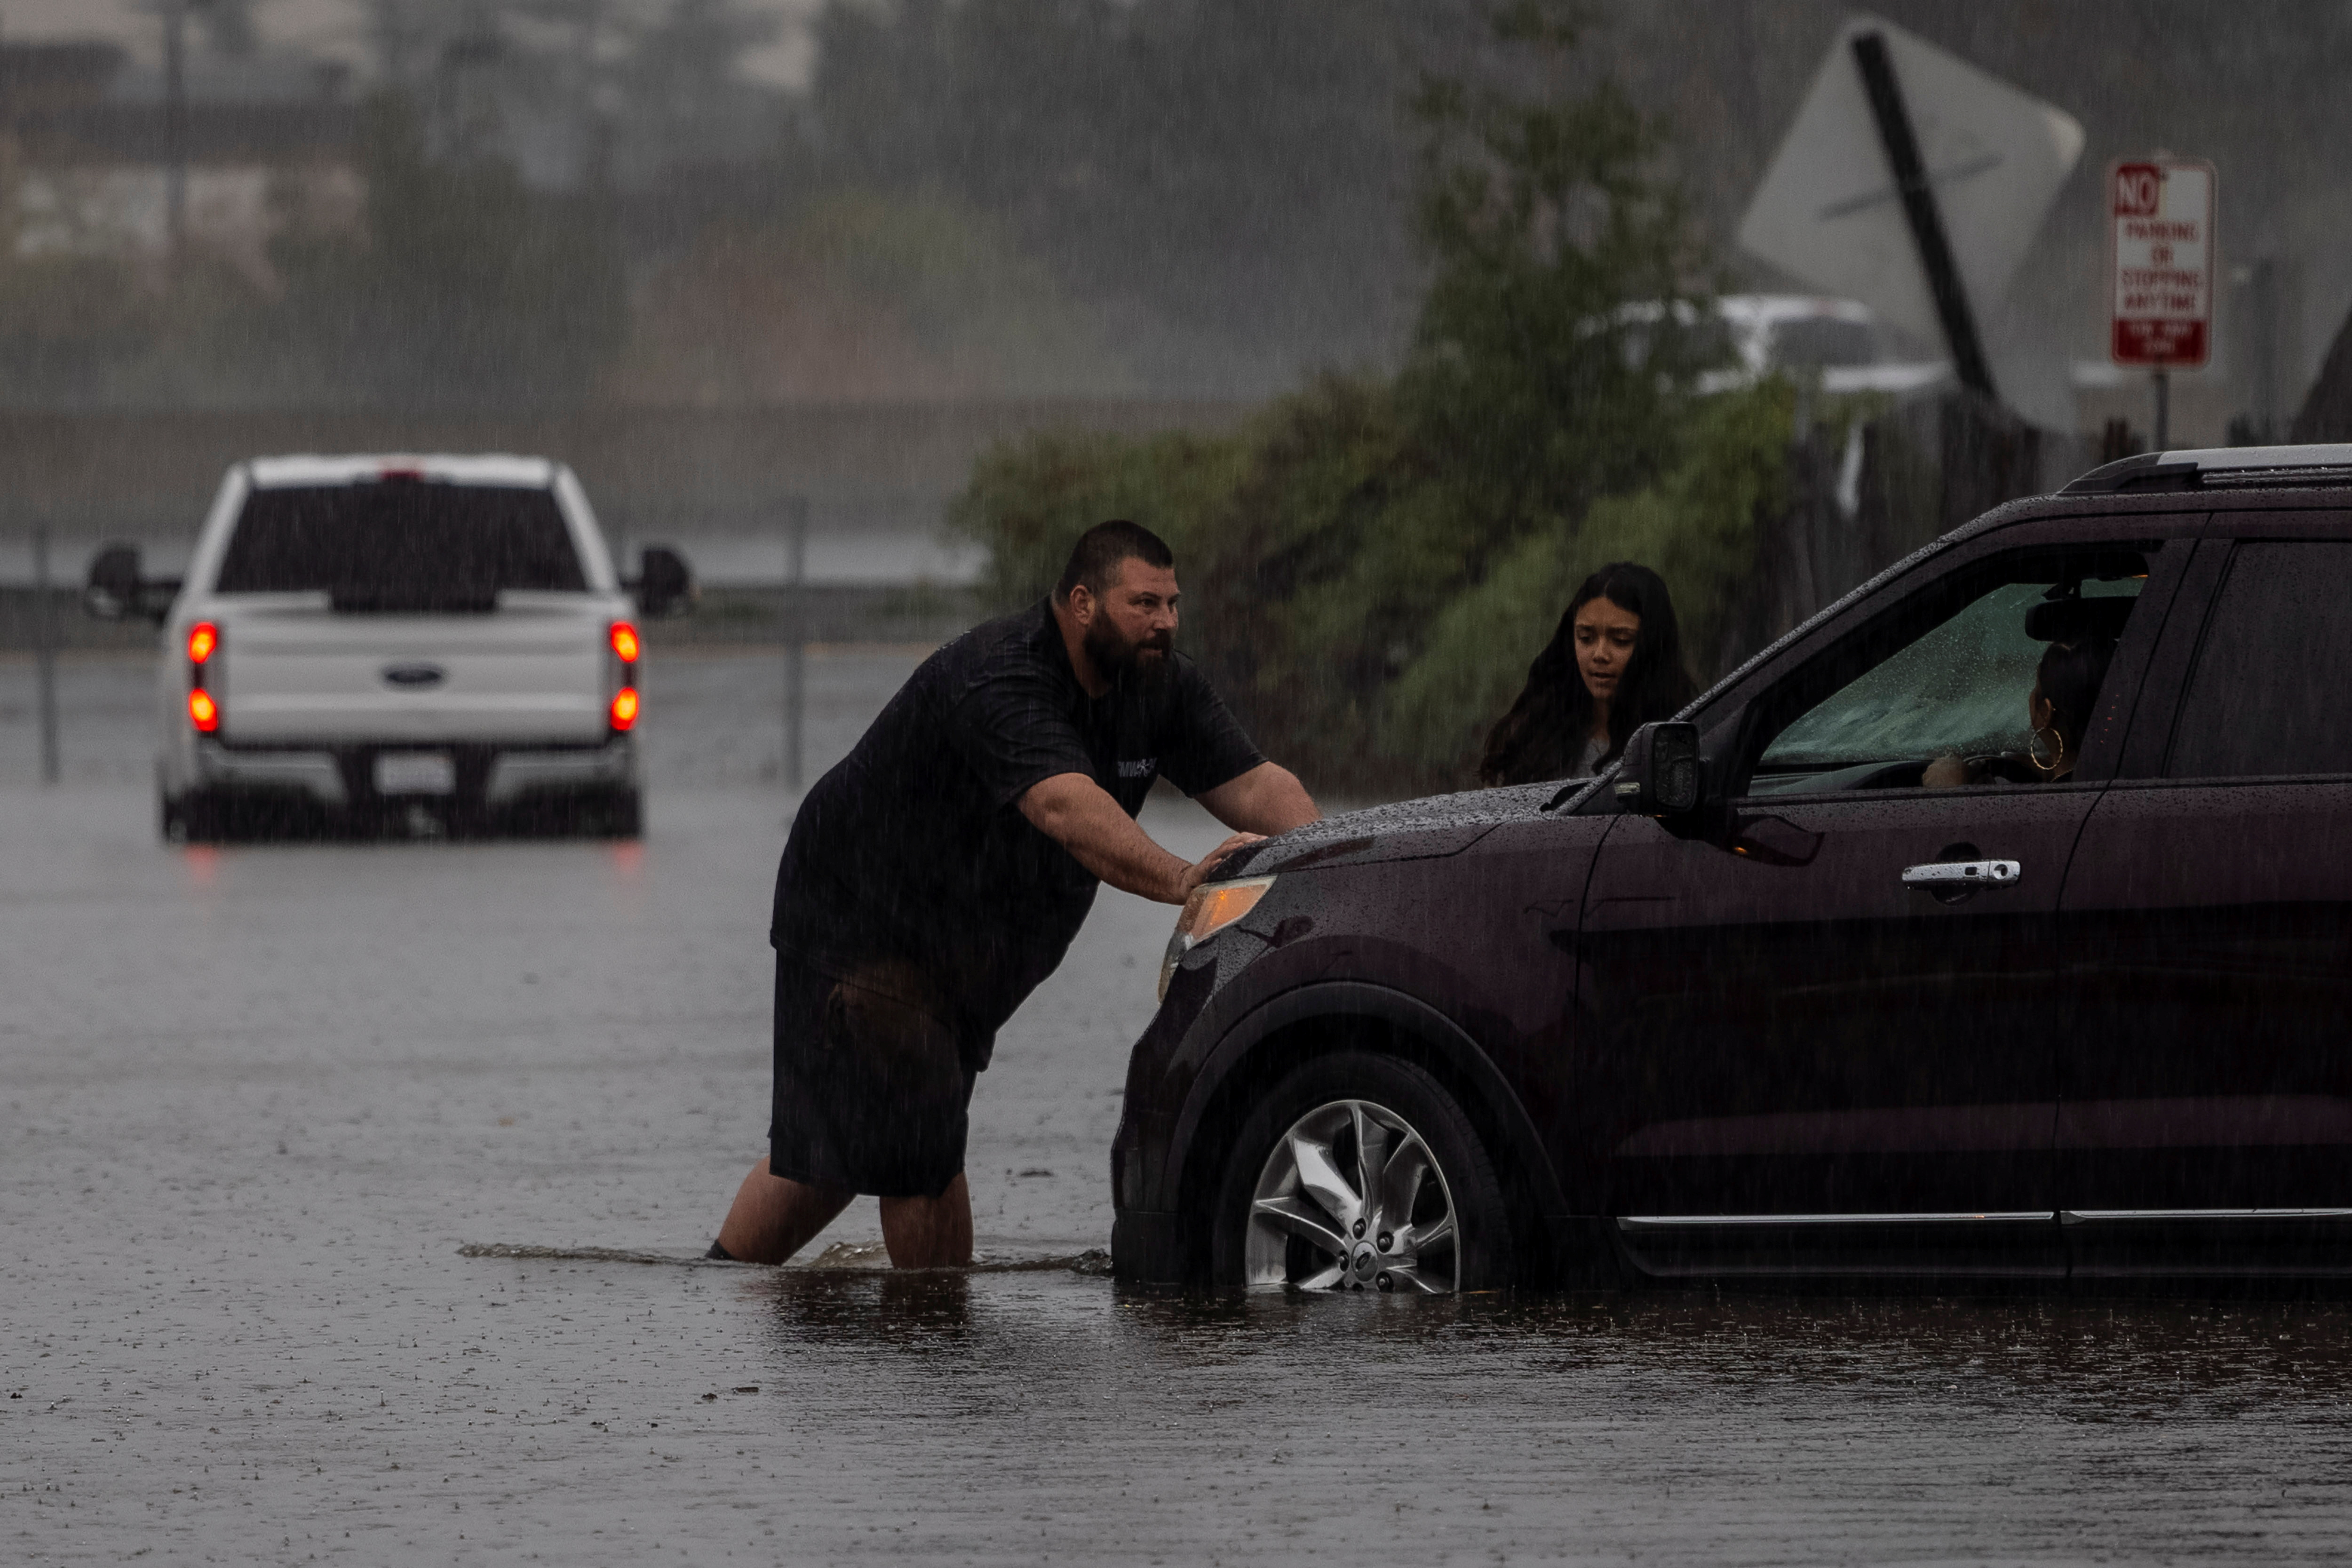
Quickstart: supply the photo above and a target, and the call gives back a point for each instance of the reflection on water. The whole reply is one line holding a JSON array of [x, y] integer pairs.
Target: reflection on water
[[918, 1310], [2106, 1359], [2076, 1362], [2103, 1360], [1726, 1428]]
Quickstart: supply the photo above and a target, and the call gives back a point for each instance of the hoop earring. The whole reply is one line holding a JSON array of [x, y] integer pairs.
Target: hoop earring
[[2057, 749]]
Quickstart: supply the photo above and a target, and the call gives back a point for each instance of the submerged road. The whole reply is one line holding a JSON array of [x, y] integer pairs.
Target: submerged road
[[348, 1195]]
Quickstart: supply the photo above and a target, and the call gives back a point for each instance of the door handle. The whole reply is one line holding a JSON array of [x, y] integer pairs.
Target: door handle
[[1945, 876]]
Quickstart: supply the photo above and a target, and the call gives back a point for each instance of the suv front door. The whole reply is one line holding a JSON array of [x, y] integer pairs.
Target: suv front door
[[1803, 1063], [2205, 1082]]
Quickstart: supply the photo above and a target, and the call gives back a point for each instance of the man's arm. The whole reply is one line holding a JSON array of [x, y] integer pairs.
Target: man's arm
[[1268, 799], [1080, 815]]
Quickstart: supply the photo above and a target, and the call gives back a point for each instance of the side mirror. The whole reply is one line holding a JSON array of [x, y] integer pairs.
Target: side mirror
[[112, 592], [1659, 775], [665, 584]]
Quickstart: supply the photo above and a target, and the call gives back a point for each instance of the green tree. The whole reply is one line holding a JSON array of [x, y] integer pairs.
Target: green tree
[[1370, 563], [1555, 353]]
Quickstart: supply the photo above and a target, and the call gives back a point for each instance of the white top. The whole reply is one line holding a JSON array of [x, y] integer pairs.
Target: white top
[[489, 469]]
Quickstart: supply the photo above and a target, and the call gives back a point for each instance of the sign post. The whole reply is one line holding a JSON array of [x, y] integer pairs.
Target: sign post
[[2160, 270], [45, 611], [1920, 208]]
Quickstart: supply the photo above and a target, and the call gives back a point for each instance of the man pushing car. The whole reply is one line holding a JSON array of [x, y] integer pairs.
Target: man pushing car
[[936, 874]]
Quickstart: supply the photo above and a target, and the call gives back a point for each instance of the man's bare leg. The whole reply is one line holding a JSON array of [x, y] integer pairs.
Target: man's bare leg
[[928, 1233], [774, 1216]]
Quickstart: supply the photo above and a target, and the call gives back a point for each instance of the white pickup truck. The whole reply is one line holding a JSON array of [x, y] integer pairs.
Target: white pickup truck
[[435, 642]]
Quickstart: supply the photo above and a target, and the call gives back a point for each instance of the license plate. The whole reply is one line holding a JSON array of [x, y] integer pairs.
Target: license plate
[[415, 772]]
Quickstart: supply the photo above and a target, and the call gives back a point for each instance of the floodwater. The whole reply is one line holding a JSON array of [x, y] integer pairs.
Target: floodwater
[[349, 1197]]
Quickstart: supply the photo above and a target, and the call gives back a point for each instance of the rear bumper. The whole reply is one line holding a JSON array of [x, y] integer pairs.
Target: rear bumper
[[516, 773], [487, 774], [313, 774]]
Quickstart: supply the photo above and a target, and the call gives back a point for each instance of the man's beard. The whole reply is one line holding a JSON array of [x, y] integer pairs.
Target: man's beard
[[1117, 659]]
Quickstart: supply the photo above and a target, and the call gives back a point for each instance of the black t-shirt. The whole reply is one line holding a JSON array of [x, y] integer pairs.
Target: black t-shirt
[[915, 848]]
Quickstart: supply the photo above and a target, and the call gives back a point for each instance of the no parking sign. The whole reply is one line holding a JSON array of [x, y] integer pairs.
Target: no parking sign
[[2160, 273]]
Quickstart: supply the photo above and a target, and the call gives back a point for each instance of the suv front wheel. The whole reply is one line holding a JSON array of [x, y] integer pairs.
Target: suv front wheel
[[1359, 1172]]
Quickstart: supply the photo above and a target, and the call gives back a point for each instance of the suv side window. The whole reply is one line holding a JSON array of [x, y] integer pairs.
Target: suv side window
[[1953, 684], [2271, 692]]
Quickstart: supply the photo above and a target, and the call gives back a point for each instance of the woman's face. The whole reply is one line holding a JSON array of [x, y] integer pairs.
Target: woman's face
[[1605, 631]]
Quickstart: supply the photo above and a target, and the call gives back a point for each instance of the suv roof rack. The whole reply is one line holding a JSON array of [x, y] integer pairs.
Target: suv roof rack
[[2218, 467]]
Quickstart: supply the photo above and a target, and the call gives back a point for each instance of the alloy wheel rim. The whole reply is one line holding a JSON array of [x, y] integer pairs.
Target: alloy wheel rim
[[1351, 1198]]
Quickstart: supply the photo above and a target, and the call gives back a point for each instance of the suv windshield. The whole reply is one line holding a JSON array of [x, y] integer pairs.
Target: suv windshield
[[408, 545]]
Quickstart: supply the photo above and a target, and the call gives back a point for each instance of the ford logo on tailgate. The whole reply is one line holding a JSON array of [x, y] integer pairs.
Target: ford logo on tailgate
[[414, 677]]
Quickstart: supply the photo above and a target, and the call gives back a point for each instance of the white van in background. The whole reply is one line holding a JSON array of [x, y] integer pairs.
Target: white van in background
[[435, 642]]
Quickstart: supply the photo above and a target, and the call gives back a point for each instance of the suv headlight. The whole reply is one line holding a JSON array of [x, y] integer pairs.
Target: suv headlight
[[1213, 907]]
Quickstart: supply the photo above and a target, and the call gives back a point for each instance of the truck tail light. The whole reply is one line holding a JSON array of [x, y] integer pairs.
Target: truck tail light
[[624, 710], [203, 708], [625, 642]]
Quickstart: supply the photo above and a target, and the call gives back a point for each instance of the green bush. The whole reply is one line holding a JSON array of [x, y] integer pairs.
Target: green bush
[[1328, 589], [1296, 546], [1697, 527]]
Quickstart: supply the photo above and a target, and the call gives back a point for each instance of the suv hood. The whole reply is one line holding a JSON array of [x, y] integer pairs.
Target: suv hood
[[1408, 830]]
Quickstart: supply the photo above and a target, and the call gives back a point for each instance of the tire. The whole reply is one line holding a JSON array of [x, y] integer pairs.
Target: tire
[[1283, 1220], [605, 813], [585, 814], [624, 815], [195, 817]]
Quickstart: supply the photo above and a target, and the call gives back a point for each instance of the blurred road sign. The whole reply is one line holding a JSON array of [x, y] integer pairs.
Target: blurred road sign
[[2160, 261], [1829, 211]]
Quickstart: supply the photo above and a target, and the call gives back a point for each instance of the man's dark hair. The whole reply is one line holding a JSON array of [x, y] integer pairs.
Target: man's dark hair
[[1094, 559]]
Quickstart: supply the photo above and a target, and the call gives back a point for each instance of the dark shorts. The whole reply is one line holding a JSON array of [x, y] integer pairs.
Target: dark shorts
[[871, 1084]]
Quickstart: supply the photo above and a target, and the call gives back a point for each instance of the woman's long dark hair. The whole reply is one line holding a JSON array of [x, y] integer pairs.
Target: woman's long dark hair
[[1543, 735], [2069, 678]]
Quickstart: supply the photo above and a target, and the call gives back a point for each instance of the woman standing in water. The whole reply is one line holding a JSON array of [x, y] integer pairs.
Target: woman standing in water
[[1614, 665]]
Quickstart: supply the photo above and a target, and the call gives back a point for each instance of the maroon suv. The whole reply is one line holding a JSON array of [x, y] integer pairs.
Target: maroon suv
[[1830, 977]]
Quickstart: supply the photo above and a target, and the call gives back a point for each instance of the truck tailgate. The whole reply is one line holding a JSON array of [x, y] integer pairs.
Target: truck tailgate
[[303, 674]]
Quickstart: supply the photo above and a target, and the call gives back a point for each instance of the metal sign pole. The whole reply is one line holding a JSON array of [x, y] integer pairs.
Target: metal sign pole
[[795, 642], [2163, 410], [44, 640], [1926, 220]]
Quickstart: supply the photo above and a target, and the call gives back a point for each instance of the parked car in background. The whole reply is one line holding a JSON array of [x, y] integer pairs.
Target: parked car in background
[[1762, 1003], [1750, 336], [1841, 341], [423, 641]]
